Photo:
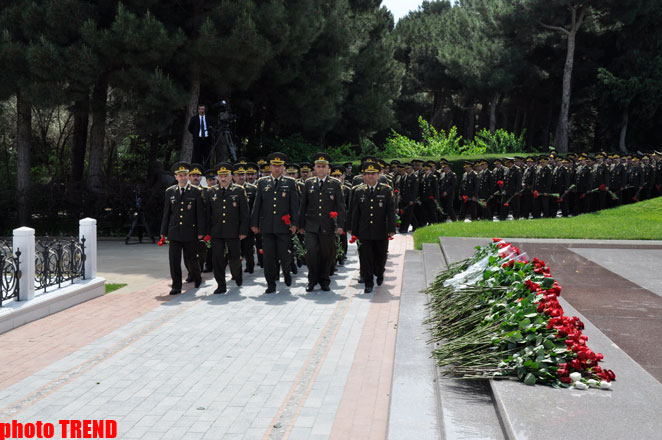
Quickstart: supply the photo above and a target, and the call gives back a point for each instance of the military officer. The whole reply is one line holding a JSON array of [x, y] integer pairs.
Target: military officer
[[468, 191], [338, 172], [227, 224], [195, 178], [321, 216], [528, 182], [447, 191], [583, 184], [486, 188], [239, 173], [512, 185], [373, 223], [212, 180], [408, 197], [617, 178], [600, 178], [429, 194], [542, 186], [183, 225], [275, 215], [635, 181]]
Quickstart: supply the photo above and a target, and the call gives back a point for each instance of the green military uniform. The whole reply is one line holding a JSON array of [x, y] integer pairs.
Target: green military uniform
[[274, 201], [373, 219], [228, 219], [183, 222], [319, 198]]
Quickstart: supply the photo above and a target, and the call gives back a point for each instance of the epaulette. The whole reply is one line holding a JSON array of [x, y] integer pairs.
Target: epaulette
[[250, 184], [386, 185], [172, 187], [358, 186], [333, 178], [310, 178]]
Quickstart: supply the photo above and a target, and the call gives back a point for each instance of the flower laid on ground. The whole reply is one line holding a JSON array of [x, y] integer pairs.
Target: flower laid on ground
[[497, 315], [287, 219]]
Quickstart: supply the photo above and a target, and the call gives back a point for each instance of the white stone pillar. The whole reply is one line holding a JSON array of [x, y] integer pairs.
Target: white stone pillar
[[24, 241], [88, 229]]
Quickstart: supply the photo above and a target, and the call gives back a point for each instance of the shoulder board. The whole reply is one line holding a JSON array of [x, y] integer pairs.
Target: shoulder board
[[311, 178], [287, 178], [387, 186], [264, 178], [249, 185], [171, 187], [333, 179], [359, 186]]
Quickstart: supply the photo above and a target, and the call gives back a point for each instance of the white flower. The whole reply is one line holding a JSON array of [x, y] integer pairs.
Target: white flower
[[604, 385], [580, 386], [593, 383], [575, 376]]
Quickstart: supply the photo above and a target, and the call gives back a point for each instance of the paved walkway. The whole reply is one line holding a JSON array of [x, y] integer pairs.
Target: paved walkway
[[244, 365]]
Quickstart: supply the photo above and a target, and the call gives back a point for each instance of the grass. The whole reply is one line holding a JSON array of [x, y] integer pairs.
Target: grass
[[639, 221], [110, 287]]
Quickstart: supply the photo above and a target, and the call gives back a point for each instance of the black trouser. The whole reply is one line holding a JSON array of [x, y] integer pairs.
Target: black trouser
[[540, 206], [248, 251], [526, 206], [175, 256], [430, 210], [584, 203], [449, 211], [485, 211], [226, 250], [467, 207], [258, 246], [276, 250], [408, 217], [202, 254], [320, 257], [201, 150], [616, 202], [372, 256], [343, 243], [513, 205], [208, 262]]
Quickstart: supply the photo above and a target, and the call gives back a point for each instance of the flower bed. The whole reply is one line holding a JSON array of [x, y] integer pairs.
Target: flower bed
[[497, 315]]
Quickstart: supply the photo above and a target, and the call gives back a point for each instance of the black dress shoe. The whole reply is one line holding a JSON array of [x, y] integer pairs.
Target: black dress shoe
[[367, 290], [326, 288], [294, 269], [310, 287], [198, 282], [189, 279], [270, 289], [239, 282], [288, 279], [207, 269], [175, 291], [361, 280], [380, 280], [221, 290]]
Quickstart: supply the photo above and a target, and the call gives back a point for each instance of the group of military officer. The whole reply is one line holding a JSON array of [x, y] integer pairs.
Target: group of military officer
[[526, 187], [239, 211]]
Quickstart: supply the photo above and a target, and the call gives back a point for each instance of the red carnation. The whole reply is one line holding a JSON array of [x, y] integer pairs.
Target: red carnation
[[603, 187], [536, 194], [261, 251], [353, 239], [401, 211], [559, 200], [500, 182], [397, 191], [465, 198], [635, 199], [506, 205], [391, 238], [162, 241], [581, 196], [333, 214], [207, 238], [286, 219], [431, 197]]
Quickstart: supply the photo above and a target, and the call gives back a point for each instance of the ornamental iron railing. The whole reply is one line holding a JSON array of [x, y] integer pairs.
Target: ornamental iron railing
[[10, 272], [58, 260]]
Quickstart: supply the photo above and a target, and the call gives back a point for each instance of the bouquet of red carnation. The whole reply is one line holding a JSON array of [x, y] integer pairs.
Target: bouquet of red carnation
[[506, 205], [559, 200], [287, 219], [603, 187]]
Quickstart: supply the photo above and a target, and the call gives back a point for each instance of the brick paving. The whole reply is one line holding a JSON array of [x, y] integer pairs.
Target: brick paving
[[202, 366]]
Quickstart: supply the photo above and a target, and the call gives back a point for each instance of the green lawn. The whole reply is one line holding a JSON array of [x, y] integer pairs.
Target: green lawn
[[639, 221], [110, 287]]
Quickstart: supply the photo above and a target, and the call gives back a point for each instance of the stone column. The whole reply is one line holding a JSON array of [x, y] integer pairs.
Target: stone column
[[24, 241], [88, 229]]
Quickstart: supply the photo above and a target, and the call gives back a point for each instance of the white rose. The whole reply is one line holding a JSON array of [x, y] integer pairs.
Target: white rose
[[575, 376], [592, 383], [604, 385], [580, 386]]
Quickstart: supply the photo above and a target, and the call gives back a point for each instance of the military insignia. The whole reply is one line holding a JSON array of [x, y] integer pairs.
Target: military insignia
[[172, 199], [214, 197], [267, 188]]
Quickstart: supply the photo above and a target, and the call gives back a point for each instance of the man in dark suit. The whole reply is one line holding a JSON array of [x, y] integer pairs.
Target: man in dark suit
[[275, 215], [199, 126], [183, 225], [227, 219], [373, 223], [321, 216]]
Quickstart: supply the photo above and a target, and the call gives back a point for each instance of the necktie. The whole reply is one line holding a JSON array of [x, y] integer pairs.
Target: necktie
[[223, 192], [321, 182], [372, 191], [276, 182]]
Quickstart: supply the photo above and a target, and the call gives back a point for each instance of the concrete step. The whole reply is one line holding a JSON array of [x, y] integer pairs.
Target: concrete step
[[631, 410], [467, 407]]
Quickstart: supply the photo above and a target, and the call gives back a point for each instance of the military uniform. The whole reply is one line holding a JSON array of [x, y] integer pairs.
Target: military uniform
[[583, 184], [447, 194], [528, 182], [617, 180], [600, 177], [486, 186], [373, 219], [429, 198], [635, 182], [319, 198], [468, 190], [183, 222], [274, 199], [248, 243], [542, 186], [228, 219], [408, 197], [512, 185], [560, 184], [201, 246]]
